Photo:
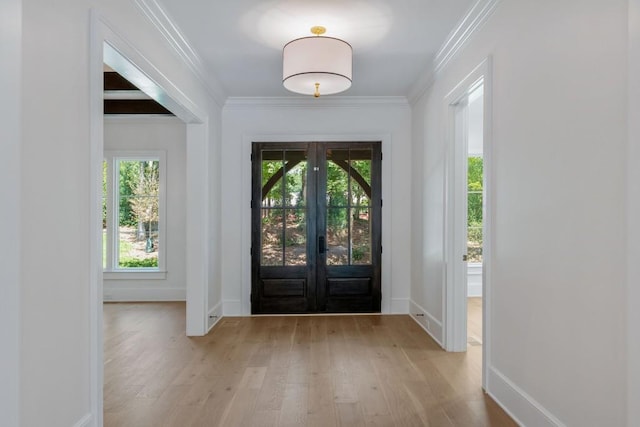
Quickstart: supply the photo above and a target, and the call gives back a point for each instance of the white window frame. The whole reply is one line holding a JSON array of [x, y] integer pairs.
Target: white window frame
[[112, 271]]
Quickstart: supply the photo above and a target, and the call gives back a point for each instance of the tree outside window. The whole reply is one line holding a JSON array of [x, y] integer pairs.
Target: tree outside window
[[135, 213]]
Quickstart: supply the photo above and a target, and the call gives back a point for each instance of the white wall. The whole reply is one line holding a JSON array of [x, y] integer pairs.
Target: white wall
[[304, 120], [55, 365], [214, 294], [54, 170], [633, 216], [166, 134], [428, 204], [420, 257], [559, 150], [10, 129]]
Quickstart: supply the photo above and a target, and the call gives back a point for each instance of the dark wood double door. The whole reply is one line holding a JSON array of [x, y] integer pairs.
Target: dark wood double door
[[316, 227]]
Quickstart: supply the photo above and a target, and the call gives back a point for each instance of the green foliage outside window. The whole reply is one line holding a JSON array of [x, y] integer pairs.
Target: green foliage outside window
[[474, 208], [135, 234], [343, 215], [294, 180], [132, 177], [474, 189]]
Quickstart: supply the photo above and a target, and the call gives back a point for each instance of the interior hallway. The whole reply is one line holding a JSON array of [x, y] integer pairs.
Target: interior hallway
[[298, 370]]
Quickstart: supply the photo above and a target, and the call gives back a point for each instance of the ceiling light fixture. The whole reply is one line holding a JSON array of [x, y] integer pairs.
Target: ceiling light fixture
[[317, 64]]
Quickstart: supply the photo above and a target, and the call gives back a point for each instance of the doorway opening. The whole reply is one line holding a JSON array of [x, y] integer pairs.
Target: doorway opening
[[468, 208], [316, 227], [108, 48], [475, 208], [466, 213]]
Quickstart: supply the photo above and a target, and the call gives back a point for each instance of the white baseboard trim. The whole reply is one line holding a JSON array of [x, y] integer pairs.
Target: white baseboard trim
[[214, 316], [144, 295], [85, 421], [474, 290], [524, 409], [430, 324], [399, 305], [232, 308]]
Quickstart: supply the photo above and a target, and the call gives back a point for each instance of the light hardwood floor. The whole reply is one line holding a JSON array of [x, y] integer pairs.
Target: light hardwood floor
[[286, 371], [474, 321]]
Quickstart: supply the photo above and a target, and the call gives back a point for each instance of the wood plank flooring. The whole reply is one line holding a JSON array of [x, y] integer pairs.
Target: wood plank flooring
[[474, 320], [286, 371]]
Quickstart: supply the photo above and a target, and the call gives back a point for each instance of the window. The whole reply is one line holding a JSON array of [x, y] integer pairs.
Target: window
[[133, 212]]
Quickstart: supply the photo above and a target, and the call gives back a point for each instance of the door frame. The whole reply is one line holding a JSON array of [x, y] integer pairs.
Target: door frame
[[243, 307], [455, 292], [107, 46]]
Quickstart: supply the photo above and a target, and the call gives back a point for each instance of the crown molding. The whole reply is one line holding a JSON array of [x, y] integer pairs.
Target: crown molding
[[311, 102], [159, 18], [479, 13]]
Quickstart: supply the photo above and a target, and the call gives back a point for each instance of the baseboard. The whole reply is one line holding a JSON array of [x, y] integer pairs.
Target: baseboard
[[524, 409], [147, 294], [214, 316], [232, 308], [85, 421], [399, 305], [429, 323]]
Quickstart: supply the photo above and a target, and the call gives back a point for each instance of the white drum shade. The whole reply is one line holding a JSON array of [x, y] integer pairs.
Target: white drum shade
[[311, 60]]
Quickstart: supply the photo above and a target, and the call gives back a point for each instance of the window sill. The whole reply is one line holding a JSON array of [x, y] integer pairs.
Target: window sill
[[134, 275]]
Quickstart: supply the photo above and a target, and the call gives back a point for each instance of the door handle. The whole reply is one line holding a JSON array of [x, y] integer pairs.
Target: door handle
[[321, 245]]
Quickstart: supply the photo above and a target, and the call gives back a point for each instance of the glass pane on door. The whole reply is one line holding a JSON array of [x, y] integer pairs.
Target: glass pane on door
[[295, 181], [295, 242], [337, 178], [360, 162], [284, 216], [348, 206], [272, 163], [361, 236], [338, 236], [272, 237]]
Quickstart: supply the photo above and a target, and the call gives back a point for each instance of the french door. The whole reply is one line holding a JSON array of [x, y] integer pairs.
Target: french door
[[316, 227]]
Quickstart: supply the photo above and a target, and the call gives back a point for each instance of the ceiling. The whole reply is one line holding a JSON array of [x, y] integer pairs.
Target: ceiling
[[239, 42]]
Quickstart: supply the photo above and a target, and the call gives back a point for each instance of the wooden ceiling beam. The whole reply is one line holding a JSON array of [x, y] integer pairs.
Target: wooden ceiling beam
[[114, 84], [134, 106]]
